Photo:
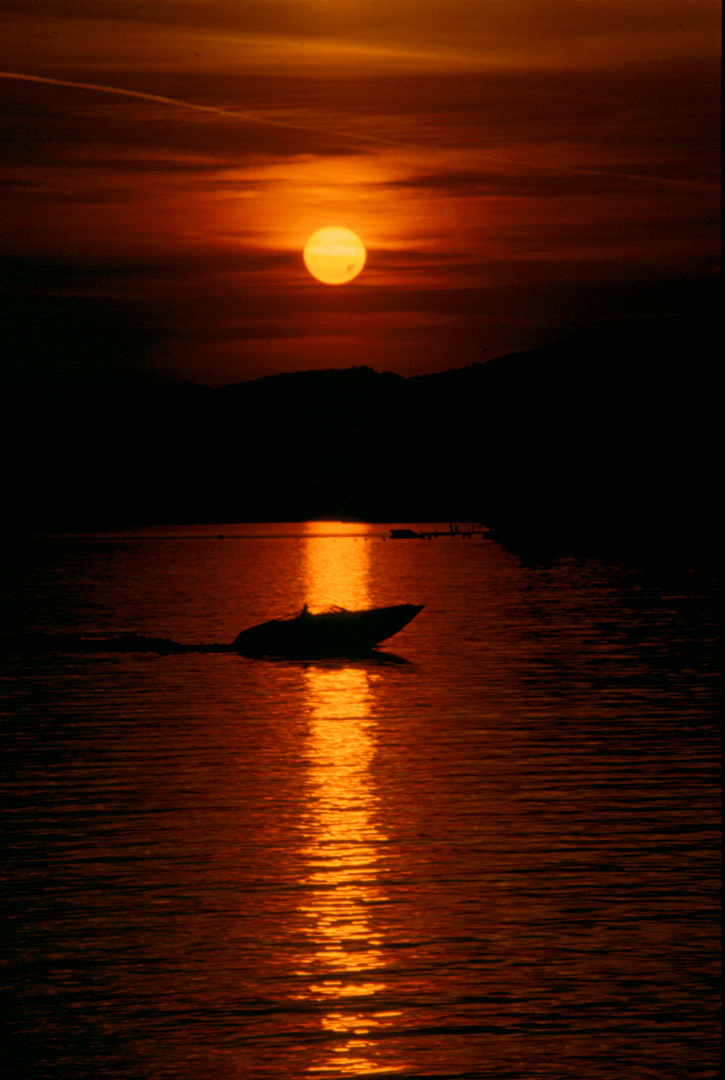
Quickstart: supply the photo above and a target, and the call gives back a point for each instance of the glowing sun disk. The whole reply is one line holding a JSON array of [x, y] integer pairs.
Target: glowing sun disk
[[334, 255]]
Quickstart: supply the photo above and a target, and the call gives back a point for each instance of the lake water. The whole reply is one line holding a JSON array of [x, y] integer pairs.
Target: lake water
[[491, 853]]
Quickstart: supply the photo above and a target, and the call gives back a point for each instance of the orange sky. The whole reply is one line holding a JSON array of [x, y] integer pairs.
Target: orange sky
[[516, 169]]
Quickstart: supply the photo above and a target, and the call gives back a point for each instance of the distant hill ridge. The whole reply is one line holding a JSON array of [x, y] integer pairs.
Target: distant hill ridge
[[609, 432]]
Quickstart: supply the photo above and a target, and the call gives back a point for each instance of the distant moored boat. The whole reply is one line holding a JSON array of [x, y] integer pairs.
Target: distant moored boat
[[404, 534]]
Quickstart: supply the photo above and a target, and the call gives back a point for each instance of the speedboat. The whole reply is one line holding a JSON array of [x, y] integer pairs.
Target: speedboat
[[335, 632]]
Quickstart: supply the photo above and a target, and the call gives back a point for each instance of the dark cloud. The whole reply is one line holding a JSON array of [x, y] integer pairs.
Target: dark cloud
[[557, 165], [41, 121], [415, 22], [53, 340]]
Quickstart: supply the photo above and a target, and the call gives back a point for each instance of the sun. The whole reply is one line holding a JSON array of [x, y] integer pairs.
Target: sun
[[334, 255]]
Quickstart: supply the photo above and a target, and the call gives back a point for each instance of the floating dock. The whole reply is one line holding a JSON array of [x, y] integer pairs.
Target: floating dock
[[464, 531]]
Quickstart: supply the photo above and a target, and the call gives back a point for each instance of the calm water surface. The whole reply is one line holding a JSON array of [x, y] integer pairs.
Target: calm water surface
[[492, 853]]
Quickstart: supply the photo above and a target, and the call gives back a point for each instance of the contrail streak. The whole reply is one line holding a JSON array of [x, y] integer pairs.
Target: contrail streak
[[216, 110], [370, 140]]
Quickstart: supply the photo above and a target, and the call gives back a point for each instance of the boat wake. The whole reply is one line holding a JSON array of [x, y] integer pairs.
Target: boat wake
[[39, 644], [74, 644], [335, 633]]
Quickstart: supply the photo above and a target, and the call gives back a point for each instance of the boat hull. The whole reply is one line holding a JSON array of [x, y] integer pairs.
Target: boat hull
[[331, 633]]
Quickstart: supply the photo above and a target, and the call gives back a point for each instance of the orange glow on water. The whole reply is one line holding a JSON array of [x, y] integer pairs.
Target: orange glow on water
[[337, 566], [342, 856], [343, 849]]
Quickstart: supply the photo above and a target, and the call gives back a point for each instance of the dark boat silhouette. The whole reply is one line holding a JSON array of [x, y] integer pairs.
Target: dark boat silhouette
[[336, 632]]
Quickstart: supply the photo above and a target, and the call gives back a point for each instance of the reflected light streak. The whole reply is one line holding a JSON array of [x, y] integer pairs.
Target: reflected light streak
[[336, 568], [342, 854]]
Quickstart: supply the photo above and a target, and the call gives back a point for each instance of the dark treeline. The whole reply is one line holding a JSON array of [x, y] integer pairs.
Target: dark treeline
[[610, 434]]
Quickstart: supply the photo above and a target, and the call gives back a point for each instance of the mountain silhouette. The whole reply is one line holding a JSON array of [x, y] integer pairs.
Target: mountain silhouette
[[604, 434]]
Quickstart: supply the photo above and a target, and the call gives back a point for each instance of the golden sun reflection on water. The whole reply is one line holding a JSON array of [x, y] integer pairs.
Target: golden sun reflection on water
[[347, 960], [336, 567]]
